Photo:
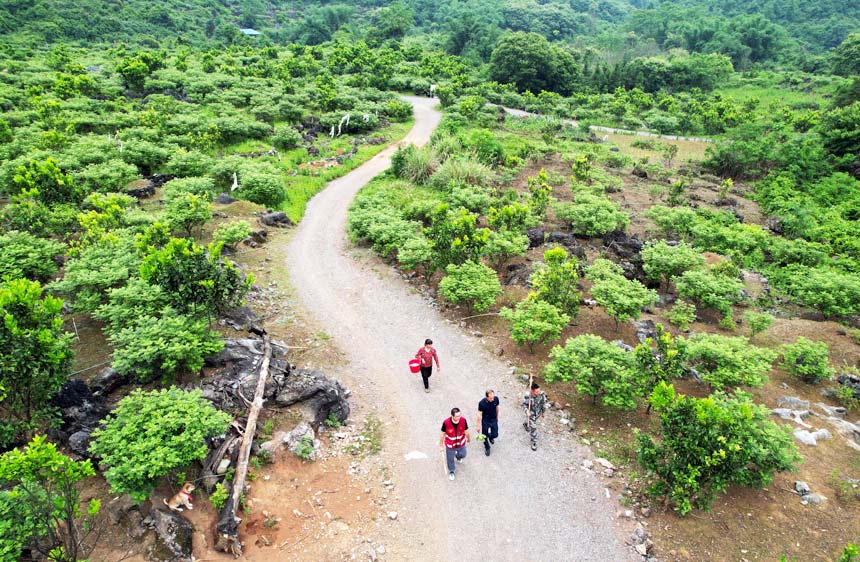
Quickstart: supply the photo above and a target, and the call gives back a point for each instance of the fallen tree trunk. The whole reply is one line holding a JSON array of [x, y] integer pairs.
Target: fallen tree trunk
[[228, 524]]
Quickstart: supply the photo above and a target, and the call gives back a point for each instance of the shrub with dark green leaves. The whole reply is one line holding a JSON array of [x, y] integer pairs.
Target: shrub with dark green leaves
[[502, 245], [708, 444], [807, 360], [129, 302], [188, 163], [105, 177], [471, 283], [598, 368], [724, 361], [758, 321], [187, 211], [263, 188], [196, 279], [25, 255], [201, 186], [153, 434], [513, 216], [534, 321]]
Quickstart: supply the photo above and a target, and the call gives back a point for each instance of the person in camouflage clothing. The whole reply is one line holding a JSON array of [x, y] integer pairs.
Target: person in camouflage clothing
[[534, 404]]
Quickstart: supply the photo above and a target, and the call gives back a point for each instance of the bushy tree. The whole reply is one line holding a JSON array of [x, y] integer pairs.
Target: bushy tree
[[661, 261], [196, 279], [28, 256], [231, 233], [682, 314], [126, 304], [472, 283], [35, 357], [530, 62], [41, 506], [513, 216], [196, 185], [846, 56], [188, 163], [105, 177], [710, 443], [262, 188], [758, 322], [554, 281], [416, 252], [152, 434], [455, 237], [724, 361], [622, 298], [502, 245], [592, 215], [286, 138], [187, 211], [535, 321], [710, 289], [48, 180], [98, 267], [163, 346], [598, 368], [660, 359], [807, 360], [540, 193]]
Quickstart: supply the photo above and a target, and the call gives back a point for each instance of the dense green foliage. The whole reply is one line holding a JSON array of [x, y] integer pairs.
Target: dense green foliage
[[535, 321], [622, 298], [472, 283], [729, 361], [41, 506], [152, 434], [710, 443], [554, 281], [598, 368], [35, 358], [807, 360]]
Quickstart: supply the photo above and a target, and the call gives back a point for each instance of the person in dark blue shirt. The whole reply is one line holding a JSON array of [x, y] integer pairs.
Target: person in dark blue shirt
[[488, 419]]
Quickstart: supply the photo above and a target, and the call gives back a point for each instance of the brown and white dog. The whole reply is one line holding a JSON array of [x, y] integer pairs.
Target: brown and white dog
[[181, 499]]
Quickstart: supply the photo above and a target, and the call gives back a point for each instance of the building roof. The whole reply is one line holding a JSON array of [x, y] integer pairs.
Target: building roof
[[249, 31]]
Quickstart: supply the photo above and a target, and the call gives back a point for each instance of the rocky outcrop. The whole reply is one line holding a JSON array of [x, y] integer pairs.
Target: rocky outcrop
[[172, 537], [81, 412], [277, 218], [235, 379]]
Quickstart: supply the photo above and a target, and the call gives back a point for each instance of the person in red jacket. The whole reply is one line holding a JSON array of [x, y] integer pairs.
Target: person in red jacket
[[455, 435], [427, 355]]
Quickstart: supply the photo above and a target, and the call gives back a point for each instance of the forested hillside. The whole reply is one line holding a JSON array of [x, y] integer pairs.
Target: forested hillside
[[690, 164]]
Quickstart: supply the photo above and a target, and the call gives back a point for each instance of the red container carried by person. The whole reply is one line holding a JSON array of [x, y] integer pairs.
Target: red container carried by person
[[414, 365]]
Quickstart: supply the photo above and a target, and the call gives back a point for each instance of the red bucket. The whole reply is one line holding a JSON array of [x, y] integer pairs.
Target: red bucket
[[414, 365]]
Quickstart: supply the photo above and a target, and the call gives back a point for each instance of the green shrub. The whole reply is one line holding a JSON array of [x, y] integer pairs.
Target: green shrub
[[231, 233], [161, 347], [598, 368], [682, 314], [807, 360], [662, 261], [850, 554], [152, 434], [305, 447], [472, 283], [513, 216], [758, 322], [35, 357], [535, 321], [200, 186], [711, 443], [472, 197], [219, 496], [485, 146], [461, 171], [455, 237], [503, 245], [622, 298], [187, 212], [710, 289], [554, 280], [660, 359], [105, 177], [540, 193], [28, 256], [263, 188], [286, 138], [592, 215], [724, 361], [185, 163]]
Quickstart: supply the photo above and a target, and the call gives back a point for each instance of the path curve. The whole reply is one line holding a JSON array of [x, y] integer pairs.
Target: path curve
[[613, 130], [517, 505]]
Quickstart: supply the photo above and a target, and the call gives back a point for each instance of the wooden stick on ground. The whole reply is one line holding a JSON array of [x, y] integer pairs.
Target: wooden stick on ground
[[228, 525]]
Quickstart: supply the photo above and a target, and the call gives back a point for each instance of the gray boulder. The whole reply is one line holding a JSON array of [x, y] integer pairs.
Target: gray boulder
[[278, 218], [241, 318], [106, 381], [172, 537], [535, 236], [645, 329], [225, 199], [801, 487], [80, 411], [793, 402]]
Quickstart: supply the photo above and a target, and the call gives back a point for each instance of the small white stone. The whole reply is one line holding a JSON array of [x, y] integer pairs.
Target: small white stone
[[392, 515]]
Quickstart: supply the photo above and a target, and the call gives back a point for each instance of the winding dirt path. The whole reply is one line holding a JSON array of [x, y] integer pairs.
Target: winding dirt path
[[517, 505]]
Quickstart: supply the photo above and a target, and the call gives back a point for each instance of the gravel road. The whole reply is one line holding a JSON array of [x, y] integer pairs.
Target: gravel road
[[516, 505]]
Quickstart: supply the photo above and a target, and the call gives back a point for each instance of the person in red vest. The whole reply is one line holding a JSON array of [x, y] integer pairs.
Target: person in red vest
[[427, 355], [455, 435]]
